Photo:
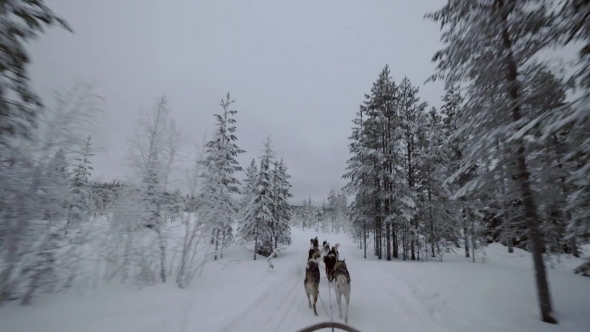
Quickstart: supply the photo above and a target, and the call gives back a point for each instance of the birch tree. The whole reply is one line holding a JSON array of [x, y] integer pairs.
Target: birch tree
[[148, 148]]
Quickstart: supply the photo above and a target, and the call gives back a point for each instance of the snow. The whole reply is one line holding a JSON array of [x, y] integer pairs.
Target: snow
[[237, 293]]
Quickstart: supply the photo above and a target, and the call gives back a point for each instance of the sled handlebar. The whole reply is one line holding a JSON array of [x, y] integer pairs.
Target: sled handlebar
[[324, 325]]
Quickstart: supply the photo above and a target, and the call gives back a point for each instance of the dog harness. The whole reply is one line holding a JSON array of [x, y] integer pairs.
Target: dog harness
[[315, 271]]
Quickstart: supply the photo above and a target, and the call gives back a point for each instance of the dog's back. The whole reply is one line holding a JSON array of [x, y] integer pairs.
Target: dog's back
[[330, 262], [342, 286], [340, 269], [312, 271], [312, 280]]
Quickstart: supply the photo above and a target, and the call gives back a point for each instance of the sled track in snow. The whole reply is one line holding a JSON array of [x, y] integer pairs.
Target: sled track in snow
[[259, 308]]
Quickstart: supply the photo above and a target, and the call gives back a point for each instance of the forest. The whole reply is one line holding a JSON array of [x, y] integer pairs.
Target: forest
[[505, 159]]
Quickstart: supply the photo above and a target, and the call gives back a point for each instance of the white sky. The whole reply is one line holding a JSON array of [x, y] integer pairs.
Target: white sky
[[298, 71]]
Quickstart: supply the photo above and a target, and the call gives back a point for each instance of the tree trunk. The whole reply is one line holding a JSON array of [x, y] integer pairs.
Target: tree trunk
[[432, 235], [395, 242], [388, 232], [365, 236], [530, 208], [216, 243], [162, 255], [412, 242], [222, 243], [473, 239], [255, 246], [574, 245], [404, 241], [510, 244], [465, 234]]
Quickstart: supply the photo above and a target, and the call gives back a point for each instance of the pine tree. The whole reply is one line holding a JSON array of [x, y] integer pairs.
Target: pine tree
[[503, 35], [341, 210], [318, 217], [22, 21], [412, 122], [358, 170], [81, 200], [440, 225], [566, 128], [282, 208], [304, 214], [332, 208]]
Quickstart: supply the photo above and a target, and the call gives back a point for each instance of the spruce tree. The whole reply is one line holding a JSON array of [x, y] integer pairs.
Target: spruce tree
[[257, 219], [282, 208], [219, 180]]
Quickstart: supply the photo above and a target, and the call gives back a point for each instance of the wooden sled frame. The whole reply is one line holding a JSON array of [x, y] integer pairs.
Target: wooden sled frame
[[325, 325]]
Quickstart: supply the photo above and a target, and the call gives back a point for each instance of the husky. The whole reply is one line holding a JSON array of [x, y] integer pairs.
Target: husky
[[329, 261], [342, 286], [316, 244], [325, 248], [311, 252], [312, 280], [335, 249]]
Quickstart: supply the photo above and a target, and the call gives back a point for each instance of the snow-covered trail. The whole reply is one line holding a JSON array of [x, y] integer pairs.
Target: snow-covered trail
[[378, 301], [237, 293]]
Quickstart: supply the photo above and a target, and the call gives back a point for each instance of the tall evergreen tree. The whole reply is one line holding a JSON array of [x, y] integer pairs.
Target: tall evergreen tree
[[219, 181], [282, 208], [250, 184], [22, 21], [81, 200], [258, 218], [504, 35]]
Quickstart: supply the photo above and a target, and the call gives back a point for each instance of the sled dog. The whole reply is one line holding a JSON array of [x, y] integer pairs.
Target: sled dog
[[311, 252], [325, 248], [342, 286], [315, 243], [335, 249], [312, 280], [329, 261]]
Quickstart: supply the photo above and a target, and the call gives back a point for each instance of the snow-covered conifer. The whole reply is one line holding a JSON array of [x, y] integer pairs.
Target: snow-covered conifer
[[505, 36], [219, 182], [258, 217]]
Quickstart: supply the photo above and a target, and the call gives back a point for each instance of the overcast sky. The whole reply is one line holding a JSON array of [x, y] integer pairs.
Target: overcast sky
[[298, 71]]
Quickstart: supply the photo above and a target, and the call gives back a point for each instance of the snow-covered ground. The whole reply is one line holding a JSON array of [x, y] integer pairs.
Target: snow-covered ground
[[239, 294]]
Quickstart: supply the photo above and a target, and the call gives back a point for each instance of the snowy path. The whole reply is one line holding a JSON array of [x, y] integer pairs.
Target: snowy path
[[239, 294], [378, 301]]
